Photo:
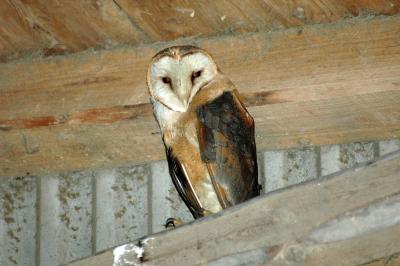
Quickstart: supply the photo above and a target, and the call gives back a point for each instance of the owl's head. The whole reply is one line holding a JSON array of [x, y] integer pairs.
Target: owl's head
[[177, 73]]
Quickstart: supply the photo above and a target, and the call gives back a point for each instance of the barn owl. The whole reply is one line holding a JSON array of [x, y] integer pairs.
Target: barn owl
[[207, 132]]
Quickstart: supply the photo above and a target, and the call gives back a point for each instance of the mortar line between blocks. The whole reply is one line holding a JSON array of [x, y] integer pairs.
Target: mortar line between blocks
[[38, 220], [377, 152], [261, 174], [318, 161], [149, 200], [94, 215]]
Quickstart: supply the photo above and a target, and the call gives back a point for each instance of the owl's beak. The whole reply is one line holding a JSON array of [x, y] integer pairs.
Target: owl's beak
[[185, 103], [185, 100], [184, 92]]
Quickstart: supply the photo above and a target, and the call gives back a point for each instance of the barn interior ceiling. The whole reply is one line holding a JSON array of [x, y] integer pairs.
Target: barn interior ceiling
[[44, 28], [79, 144], [311, 85]]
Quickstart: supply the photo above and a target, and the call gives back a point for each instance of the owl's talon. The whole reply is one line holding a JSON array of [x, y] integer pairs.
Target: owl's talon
[[173, 223], [207, 213]]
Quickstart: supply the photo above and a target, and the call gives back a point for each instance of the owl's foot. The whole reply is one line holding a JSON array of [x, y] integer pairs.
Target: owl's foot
[[173, 222], [207, 212]]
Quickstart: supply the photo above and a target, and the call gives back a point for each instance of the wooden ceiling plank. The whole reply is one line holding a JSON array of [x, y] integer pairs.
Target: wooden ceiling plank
[[371, 7], [54, 27], [72, 26], [18, 37], [178, 18]]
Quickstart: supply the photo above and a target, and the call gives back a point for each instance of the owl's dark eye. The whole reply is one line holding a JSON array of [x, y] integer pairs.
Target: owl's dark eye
[[166, 80], [196, 74]]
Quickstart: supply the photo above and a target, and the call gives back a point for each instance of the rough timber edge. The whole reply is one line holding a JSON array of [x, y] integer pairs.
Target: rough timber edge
[[137, 252]]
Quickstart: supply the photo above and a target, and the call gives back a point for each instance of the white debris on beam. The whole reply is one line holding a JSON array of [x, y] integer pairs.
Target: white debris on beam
[[129, 254], [184, 10]]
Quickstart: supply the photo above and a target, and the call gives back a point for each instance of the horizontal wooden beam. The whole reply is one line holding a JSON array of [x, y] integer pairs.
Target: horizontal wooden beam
[[351, 216], [207, 18], [315, 85], [54, 27]]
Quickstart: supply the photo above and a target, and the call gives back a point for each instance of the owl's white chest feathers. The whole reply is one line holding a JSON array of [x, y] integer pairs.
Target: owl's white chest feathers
[[170, 121], [166, 118]]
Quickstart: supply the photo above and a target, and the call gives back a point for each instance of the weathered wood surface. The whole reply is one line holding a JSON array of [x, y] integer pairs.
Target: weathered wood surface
[[349, 218], [179, 18], [317, 85], [105, 258], [54, 27]]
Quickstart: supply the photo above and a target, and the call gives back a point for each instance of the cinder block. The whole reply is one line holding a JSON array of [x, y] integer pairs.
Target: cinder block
[[301, 165], [166, 202], [121, 205], [284, 168], [274, 170], [330, 159], [18, 221], [65, 218], [388, 146], [338, 157]]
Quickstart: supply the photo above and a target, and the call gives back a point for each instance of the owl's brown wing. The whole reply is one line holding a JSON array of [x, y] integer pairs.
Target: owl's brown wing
[[182, 185], [227, 146]]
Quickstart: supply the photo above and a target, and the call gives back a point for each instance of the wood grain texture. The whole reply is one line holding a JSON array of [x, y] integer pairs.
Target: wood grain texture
[[320, 85], [105, 258], [18, 38], [180, 18], [348, 217], [56, 27], [370, 6]]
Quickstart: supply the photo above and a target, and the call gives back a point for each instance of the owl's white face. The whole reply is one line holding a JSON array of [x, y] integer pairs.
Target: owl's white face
[[174, 80]]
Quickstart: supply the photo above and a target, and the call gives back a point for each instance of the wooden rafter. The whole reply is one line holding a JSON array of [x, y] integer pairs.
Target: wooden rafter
[[57, 27]]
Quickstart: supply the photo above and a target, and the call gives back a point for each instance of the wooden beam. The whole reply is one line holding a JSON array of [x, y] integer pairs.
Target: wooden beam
[[57, 27], [311, 86], [351, 216], [104, 258], [182, 18]]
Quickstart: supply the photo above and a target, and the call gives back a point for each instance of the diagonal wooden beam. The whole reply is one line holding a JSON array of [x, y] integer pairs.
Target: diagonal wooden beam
[[351, 217], [315, 85]]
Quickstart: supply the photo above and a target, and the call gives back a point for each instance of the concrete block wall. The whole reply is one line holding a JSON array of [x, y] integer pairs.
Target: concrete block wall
[[18, 221], [121, 206], [52, 220], [65, 214]]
